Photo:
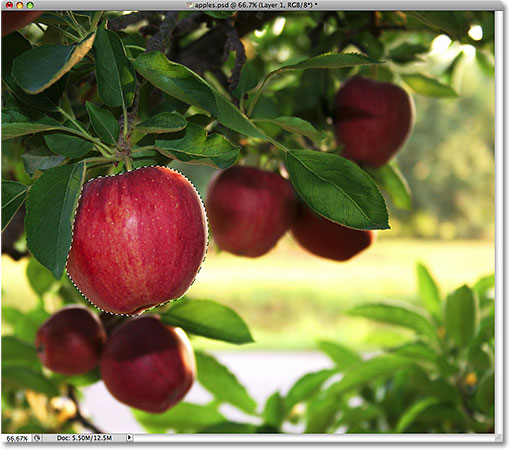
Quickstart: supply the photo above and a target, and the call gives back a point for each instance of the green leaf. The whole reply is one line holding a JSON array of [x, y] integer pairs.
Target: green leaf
[[297, 126], [193, 145], [392, 181], [424, 85], [418, 351], [13, 45], [485, 290], [220, 382], [373, 369], [25, 324], [220, 14], [275, 410], [39, 277], [165, 122], [248, 80], [485, 395], [411, 414], [66, 145], [443, 20], [396, 315], [13, 196], [331, 61], [480, 358], [337, 189], [37, 156], [116, 77], [18, 352], [84, 379], [209, 319], [183, 84], [15, 124], [104, 123], [26, 378], [352, 416], [52, 62], [461, 316], [407, 52], [307, 386], [321, 414], [230, 427], [343, 357], [428, 292], [182, 417], [51, 204]]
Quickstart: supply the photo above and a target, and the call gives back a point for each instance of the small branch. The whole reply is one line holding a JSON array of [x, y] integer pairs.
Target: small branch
[[119, 23], [233, 43], [160, 40], [191, 23], [78, 416]]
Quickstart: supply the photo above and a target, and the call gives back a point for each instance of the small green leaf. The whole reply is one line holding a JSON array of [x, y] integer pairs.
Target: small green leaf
[[184, 417], [67, 145], [116, 77], [443, 20], [84, 379], [209, 319], [165, 122], [275, 410], [418, 351], [307, 386], [297, 126], [51, 204], [428, 292], [321, 414], [485, 395], [104, 123], [407, 52], [52, 62], [220, 14], [193, 145], [37, 156], [183, 84], [396, 315], [392, 181], [15, 124], [343, 357], [352, 416], [13, 196], [248, 80], [373, 369], [26, 378], [39, 277], [18, 352], [25, 324], [331, 61], [412, 413], [337, 189], [424, 85], [461, 316], [220, 382]]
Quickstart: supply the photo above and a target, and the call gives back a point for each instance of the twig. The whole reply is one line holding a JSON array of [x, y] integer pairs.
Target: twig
[[78, 417], [160, 40], [119, 23], [191, 23], [233, 43]]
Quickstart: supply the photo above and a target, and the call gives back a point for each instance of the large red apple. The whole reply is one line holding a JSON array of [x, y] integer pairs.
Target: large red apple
[[328, 239], [148, 365], [138, 240], [70, 341], [14, 20], [249, 210], [372, 120]]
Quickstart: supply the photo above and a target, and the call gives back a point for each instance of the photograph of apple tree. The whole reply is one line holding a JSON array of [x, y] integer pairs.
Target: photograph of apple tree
[[248, 222]]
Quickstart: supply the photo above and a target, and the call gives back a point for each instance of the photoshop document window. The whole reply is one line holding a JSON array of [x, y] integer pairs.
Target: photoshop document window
[[257, 221]]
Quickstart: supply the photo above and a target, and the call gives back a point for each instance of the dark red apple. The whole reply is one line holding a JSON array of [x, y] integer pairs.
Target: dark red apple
[[138, 241], [70, 341], [14, 20], [148, 365], [327, 239], [249, 210], [372, 120]]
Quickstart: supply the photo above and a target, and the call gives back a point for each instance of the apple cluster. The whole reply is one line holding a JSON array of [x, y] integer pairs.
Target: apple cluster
[[250, 209], [143, 363]]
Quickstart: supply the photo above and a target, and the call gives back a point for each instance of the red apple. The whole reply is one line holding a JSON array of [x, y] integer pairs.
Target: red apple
[[372, 120], [14, 20], [138, 241], [70, 341], [148, 365], [249, 210], [328, 239]]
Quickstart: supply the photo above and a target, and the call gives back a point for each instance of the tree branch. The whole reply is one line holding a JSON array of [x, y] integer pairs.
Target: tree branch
[[119, 23], [233, 43], [71, 394]]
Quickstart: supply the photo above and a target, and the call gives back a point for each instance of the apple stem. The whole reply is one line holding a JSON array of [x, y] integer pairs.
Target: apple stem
[[128, 162]]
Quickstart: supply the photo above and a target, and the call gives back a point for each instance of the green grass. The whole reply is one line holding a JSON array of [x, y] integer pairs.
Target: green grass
[[290, 299]]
